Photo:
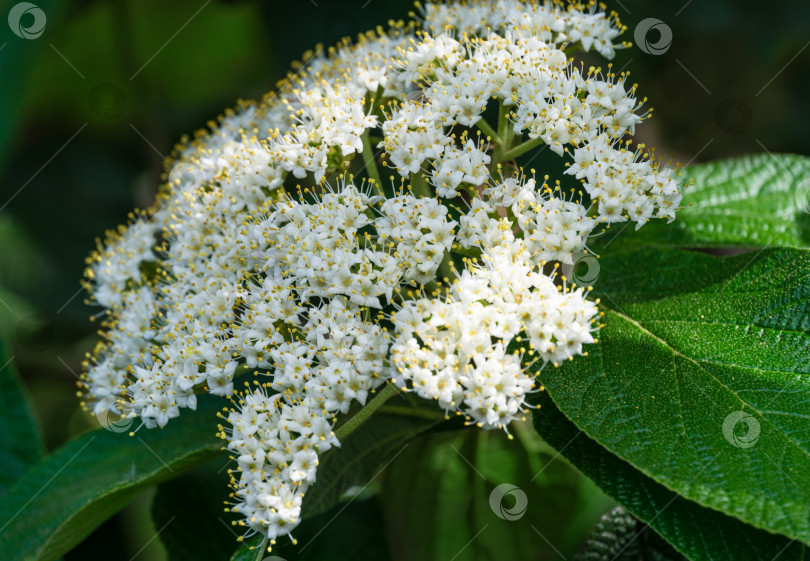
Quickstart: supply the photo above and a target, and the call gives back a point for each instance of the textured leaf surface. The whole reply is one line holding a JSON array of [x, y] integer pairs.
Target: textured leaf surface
[[468, 495], [20, 440], [253, 549], [620, 536], [754, 201], [700, 533], [700, 379], [65, 497]]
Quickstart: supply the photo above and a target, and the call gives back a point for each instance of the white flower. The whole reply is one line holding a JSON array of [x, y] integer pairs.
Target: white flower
[[265, 258]]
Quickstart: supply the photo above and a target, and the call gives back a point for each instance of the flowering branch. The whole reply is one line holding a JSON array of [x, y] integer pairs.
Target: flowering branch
[[518, 150], [339, 292], [352, 423]]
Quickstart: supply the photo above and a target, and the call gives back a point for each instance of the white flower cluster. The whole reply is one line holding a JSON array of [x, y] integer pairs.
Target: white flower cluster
[[264, 258], [456, 350]]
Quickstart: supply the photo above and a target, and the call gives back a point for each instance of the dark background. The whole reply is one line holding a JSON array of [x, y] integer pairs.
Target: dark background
[[89, 109]]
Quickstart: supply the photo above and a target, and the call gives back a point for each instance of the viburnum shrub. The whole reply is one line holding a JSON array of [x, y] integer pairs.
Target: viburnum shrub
[[336, 265], [375, 227]]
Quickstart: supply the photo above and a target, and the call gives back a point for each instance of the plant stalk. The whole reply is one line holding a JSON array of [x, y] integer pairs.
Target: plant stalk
[[371, 165], [519, 150], [387, 392]]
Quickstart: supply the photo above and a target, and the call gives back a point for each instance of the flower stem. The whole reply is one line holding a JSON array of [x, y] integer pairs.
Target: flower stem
[[519, 150], [504, 132], [415, 413], [371, 164], [383, 395], [466, 252], [420, 186]]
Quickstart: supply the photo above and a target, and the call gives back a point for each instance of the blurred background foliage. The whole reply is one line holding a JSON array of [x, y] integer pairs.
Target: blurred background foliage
[[89, 110]]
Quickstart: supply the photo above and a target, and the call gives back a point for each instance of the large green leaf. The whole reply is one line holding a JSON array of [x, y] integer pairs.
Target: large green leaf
[[471, 494], [700, 379], [61, 500], [20, 439], [753, 201], [364, 454], [700, 533]]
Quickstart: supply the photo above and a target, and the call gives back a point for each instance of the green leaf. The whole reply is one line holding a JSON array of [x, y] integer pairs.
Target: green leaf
[[438, 499], [71, 492], [20, 439], [701, 379], [700, 533], [755, 201], [363, 455], [253, 549], [619, 536]]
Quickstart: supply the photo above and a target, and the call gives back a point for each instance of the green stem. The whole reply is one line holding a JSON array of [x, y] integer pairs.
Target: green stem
[[519, 150], [487, 129], [420, 186], [404, 411], [504, 132], [383, 395], [466, 252], [371, 165]]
